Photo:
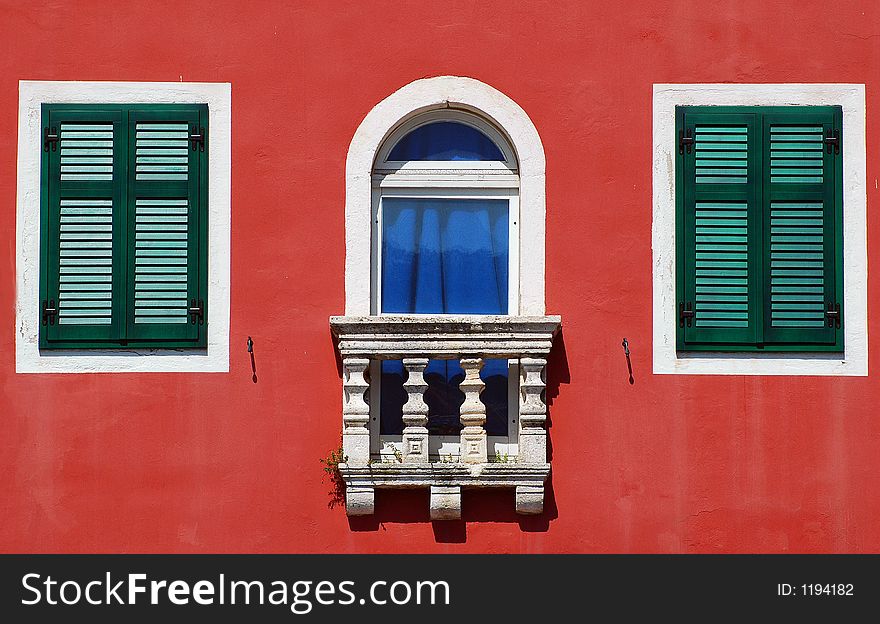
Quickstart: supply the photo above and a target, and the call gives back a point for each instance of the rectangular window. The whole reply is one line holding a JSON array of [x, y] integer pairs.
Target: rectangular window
[[445, 255], [123, 232], [759, 214]]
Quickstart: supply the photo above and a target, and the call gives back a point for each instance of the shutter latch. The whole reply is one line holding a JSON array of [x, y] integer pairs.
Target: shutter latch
[[197, 137], [49, 312], [197, 311], [50, 138], [685, 140], [685, 314], [833, 315], [832, 141]]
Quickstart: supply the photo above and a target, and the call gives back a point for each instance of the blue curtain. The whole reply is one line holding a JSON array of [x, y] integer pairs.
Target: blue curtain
[[445, 140], [444, 256]]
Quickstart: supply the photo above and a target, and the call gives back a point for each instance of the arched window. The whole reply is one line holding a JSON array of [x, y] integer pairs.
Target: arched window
[[444, 341], [446, 189]]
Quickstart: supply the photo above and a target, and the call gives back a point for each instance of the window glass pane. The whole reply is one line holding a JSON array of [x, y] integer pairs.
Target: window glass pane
[[445, 140], [445, 256]]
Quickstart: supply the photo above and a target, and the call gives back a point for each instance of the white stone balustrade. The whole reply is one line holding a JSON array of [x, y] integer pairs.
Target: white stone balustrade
[[471, 339]]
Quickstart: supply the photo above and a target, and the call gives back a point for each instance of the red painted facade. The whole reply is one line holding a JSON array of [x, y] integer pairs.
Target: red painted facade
[[217, 463]]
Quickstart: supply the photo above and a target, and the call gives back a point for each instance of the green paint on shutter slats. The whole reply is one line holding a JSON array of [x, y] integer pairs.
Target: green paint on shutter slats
[[82, 197], [801, 214], [124, 226], [717, 222], [760, 224]]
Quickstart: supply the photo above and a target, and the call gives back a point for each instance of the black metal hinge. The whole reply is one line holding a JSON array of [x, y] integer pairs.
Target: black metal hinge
[[50, 311], [685, 140], [50, 138], [197, 137], [197, 311], [685, 314], [832, 141], [833, 315]]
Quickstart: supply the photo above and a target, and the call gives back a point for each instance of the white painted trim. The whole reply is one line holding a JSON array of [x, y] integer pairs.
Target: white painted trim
[[414, 99], [28, 358], [855, 256]]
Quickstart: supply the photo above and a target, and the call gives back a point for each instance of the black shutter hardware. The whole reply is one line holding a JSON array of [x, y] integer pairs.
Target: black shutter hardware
[[50, 138], [50, 311], [685, 140], [197, 311], [197, 136], [833, 315], [832, 141], [685, 314]]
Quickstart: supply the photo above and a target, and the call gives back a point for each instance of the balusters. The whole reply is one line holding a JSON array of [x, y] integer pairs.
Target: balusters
[[415, 412], [355, 411], [473, 413], [359, 500], [532, 411]]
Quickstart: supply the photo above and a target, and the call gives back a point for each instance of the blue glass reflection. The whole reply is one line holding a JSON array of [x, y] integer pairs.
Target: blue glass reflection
[[445, 140]]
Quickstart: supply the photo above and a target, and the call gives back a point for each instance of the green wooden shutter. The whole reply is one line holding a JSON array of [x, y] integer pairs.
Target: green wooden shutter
[[718, 221], [759, 228], [166, 263], [124, 226], [800, 248], [83, 196]]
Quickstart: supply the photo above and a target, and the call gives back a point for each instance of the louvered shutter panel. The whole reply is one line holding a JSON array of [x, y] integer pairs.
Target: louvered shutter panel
[[82, 233], [800, 256], [718, 220], [166, 263]]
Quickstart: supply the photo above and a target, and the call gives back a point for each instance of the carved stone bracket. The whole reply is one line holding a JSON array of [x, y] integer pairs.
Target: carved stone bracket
[[445, 502]]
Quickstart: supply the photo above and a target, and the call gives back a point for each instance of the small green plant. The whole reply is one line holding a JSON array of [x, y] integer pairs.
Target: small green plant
[[500, 457], [331, 470], [388, 446], [448, 458]]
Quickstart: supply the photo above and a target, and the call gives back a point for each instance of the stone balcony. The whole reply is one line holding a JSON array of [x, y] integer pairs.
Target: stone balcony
[[415, 340]]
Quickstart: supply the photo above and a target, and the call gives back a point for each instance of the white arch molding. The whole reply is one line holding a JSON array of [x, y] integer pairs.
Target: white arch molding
[[419, 97]]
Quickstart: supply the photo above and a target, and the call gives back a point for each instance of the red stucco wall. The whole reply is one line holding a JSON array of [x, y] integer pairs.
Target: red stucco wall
[[216, 463]]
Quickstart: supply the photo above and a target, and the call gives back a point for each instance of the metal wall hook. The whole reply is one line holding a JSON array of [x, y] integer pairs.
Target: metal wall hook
[[625, 345], [250, 347]]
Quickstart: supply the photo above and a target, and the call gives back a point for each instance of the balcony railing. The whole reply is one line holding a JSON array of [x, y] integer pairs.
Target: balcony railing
[[415, 340]]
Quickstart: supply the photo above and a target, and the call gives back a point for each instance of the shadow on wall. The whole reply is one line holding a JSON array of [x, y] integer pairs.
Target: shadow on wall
[[557, 374], [483, 505]]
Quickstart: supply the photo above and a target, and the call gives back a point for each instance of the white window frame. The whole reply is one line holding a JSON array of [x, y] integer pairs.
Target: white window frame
[[405, 104], [854, 360], [521, 178], [28, 357], [432, 179]]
